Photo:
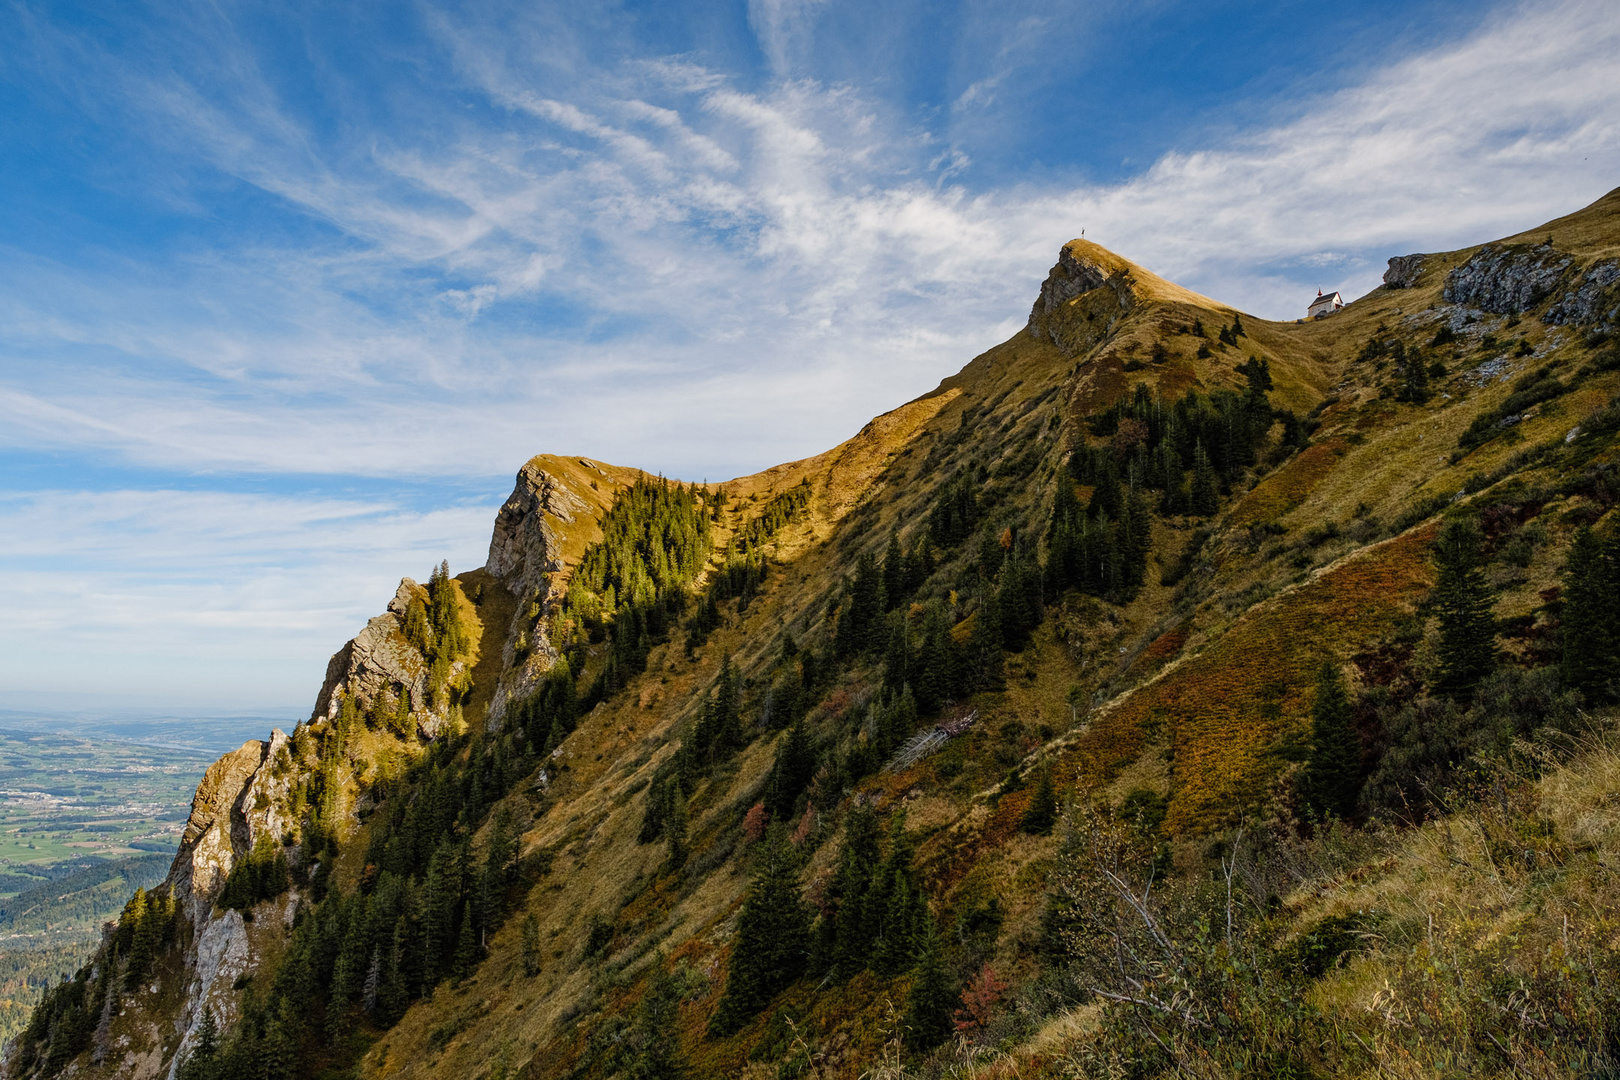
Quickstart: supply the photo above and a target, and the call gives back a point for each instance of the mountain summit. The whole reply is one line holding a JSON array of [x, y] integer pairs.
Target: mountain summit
[[1169, 692]]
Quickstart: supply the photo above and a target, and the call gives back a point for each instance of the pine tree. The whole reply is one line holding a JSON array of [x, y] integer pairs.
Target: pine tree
[[373, 982], [985, 660], [898, 905], [932, 997], [1041, 813], [773, 932], [675, 831], [394, 994], [1463, 601], [792, 772], [109, 1000], [466, 945], [894, 575], [1332, 778], [1415, 385], [654, 1039], [1589, 627], [843, 944], [1205, 497], [897, 658], [143, 940]]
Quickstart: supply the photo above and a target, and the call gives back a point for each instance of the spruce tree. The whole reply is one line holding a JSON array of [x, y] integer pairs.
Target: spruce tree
[[1463, 601], [1041, 813], [466, 945], [675, 831], [1415, 385], [1589, 628], [655, 1039], [932, 996], [985, 660], [1205, 497], [770, 947], [794, 768], [849, 895], [1332, 777], [894, 575], [143, 940]]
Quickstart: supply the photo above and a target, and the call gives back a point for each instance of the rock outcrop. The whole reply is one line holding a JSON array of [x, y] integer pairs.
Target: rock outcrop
[[1080, 301], [525, 553], [217, 832], [1593, 298], [1507, 279], [379, 656], [1403, 272], [243, 798], [523, 550]]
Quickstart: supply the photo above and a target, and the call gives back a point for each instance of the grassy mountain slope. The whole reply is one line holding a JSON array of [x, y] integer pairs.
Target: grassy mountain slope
[[1171, 711]]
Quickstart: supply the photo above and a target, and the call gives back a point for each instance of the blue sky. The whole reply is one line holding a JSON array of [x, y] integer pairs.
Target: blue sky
[[288, 292]]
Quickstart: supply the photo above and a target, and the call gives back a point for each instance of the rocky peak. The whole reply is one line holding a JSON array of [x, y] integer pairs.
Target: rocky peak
[[1088, 277], [523, 550]]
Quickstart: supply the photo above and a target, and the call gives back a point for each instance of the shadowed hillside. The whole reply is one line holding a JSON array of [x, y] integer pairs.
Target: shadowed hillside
[[1169, 692]]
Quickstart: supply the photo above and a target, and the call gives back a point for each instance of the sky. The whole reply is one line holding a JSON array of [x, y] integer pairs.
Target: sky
[[289, 291]]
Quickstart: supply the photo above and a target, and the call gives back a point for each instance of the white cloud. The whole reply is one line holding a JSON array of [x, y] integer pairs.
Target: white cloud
[[713, 245], [657, 266], [211, 597]]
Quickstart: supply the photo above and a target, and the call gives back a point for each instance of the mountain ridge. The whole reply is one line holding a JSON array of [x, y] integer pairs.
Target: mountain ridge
[[1191, 685]]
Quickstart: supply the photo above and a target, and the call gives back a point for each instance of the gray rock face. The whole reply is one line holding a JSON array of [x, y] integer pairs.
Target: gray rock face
[[1403, 271], [1074, 276], [379, 656], [525, 553], [1067, 280], [217, 832], [1593, 298], [1504, 280], [523, 550]]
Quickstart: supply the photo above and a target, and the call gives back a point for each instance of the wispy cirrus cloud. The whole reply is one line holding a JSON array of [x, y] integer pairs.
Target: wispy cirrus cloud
[[700, 246], [647, 258]]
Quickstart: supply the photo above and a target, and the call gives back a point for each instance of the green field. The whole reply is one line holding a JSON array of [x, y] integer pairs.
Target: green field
[[83, 823]]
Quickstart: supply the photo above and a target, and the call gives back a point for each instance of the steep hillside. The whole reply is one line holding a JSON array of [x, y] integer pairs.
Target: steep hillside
[[1168, 692]]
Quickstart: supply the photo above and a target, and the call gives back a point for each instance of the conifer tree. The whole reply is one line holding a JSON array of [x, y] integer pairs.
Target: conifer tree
[[897, 658], [794, 768], [843, 945], [858, 619], [985, 661], [770, 947], [1205, 496], [894, 575], [1589, 627], [932, 997], [394, 995], [1415, 384], [1332, 778], [1463, 601], [466, 945], [675, 831], [1041, 813], [897, 907], [654, 1038], [143, 940]]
